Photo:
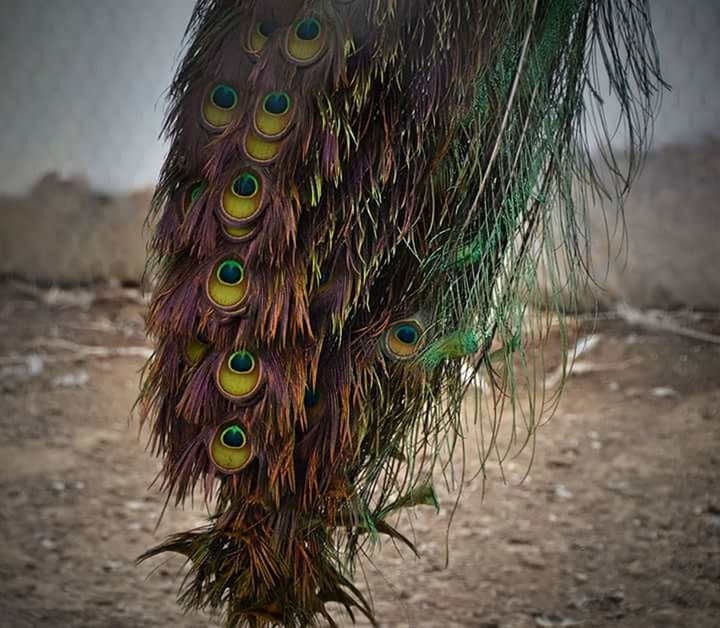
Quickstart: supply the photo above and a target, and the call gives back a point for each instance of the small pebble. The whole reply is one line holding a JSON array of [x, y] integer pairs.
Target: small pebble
[[636, 568], [35, 364], [664, 392], [112, 565], [535, 561], [560, 463], [616, 596], [554, 621], [71, 380]]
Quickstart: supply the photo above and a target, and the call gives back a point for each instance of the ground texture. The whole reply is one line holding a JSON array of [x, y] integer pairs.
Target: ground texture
[[617, 525]]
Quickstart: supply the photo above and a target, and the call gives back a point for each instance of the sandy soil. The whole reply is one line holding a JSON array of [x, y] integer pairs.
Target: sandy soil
[[617, 525]]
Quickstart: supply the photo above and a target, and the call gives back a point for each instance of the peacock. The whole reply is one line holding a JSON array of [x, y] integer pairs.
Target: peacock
[[346, 234]]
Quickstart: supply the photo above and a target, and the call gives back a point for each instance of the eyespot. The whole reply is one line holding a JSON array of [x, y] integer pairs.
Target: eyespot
[[241, 362], [276, 103], [226, 285], [311, 399], [259, 149], [224, 97], [230, 449], [246, 185], [192, 193], [314, 405], [306, 41], [230, 273], [202, 337], [325, 276], [265, 28], [308, 30], [242, 199], [239, 376], [196, 348], [219, 105], [259, 34], [407, 334], [233, 437], [237, 234], [325, 281], [403, 339], [274, 115]]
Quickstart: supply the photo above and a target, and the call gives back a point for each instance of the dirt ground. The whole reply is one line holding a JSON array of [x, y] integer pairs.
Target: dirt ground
[[617, 525]]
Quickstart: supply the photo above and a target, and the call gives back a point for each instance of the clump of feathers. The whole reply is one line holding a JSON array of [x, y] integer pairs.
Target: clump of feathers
[[355, 200]]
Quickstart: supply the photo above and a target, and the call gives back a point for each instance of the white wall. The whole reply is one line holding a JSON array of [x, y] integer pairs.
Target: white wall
[[83, 81], [688, 35], [82, 88]]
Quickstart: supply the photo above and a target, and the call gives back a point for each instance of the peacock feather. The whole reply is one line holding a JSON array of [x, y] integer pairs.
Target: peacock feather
[[348, 225]]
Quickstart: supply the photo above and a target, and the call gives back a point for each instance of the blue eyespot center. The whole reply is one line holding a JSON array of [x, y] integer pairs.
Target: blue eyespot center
[[325, 276], [233, 437], [277, 103], [308, 29], [407, 334], [196, 190], [266, 28], [245, 185], [230, 272], [242, 362], [202, 338], [224, 97], [312, 398]]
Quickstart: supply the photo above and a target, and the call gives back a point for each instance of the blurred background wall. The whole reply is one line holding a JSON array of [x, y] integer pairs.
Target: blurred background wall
[[82, 89], [83, 95]]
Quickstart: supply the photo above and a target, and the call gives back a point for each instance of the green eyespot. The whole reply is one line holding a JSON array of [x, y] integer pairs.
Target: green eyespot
[[402, 340], [196, 348], [230, 273], [241, 362], [273, 115], [233, 437], [311, 399], [260, 149], [230, 448], [306, 41], [246, 185], [239, 376], [407, 334], [308, 29], [259, 34], [227, 285], [242, 200], [219, 105], [192, 193], [276, 103]]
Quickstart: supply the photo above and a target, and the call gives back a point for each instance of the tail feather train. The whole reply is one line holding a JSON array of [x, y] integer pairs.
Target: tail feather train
[[356, 196]]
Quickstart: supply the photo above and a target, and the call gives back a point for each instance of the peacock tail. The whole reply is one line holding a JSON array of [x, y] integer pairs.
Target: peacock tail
[[348, 225]]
